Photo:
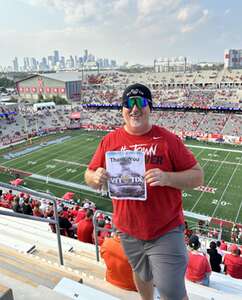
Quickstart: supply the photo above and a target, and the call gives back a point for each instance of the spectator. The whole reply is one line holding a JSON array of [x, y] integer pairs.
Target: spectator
[[150, 239], [16, 206], [223, 246], [37, 211], [233, 263], [215, 257], [85, 228], [26, 207], [198, 269], [221, 252], [81, 214], [66, 227], [187, 233], [118, 271]]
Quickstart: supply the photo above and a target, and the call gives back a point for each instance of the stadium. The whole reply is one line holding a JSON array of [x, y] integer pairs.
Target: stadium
[[45, 149]]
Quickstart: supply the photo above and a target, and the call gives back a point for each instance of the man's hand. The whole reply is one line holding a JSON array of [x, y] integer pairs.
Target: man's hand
[[100, 177], [156, 177]]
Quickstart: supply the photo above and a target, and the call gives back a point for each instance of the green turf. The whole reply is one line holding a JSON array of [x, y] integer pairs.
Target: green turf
[[223, 172]]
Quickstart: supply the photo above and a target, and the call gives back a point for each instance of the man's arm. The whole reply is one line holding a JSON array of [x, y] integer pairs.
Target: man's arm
[[96, 179], [187, 179]]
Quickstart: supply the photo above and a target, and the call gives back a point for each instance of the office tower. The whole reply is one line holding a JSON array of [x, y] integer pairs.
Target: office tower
[[15, 64], [56, 56]]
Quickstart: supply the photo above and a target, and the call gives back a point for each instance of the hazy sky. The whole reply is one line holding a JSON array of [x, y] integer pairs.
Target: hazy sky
[[136, 31]]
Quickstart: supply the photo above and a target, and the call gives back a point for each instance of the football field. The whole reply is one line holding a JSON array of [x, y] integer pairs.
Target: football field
[[58, 166]]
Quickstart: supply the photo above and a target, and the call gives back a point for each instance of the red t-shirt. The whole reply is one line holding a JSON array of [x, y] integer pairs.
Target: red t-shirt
[[85, 230], [81, 214], [223, 246], [162, 211], [9, 197], [233, 265], [119, 271], [197, 267]]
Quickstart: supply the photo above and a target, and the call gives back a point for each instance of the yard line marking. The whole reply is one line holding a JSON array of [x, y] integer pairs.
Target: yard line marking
[[74, 150], [237, 216], [214, 174], [214, 148], [78, 191], [227, 185], [226, 162], [70, 162]]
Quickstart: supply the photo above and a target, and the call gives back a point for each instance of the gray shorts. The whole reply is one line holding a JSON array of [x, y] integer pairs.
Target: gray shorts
[[164, 260]]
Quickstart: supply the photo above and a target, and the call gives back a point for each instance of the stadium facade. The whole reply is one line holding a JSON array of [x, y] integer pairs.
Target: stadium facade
[[44, 86], [172, 64], [233, 59]]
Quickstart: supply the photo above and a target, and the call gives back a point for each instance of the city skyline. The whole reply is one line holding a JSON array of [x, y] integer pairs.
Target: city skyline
[[133, 31], [56, 61]]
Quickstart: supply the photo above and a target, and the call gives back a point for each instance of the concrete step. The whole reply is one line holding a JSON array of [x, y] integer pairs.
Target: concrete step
[[16, 244], [28, 269], [200, 292], [30, 236], [24, 291], [81, 263]]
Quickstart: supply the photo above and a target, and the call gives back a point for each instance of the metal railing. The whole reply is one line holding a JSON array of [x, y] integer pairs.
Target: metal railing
[[54, 221]]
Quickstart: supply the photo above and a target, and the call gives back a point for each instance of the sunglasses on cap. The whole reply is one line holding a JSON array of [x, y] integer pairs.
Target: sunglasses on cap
[[139, 101]]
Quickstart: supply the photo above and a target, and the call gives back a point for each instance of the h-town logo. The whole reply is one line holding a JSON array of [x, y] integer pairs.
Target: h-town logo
[[135, 92]]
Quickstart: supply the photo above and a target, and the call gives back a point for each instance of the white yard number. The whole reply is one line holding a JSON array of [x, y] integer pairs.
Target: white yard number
[[50, 166], [222, 203], [69, 170]]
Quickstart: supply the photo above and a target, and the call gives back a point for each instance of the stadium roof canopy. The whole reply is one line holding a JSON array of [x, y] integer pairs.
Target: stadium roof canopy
[[64, 76]]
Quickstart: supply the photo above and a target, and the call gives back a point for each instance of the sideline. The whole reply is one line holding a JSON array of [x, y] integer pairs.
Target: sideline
[[64, 182], [213, 148]]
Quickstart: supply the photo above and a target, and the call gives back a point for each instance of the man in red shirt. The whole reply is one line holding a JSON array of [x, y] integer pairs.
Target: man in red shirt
[[198, 268], [148, 237], [85, 228], [233, 263], [119, 271]]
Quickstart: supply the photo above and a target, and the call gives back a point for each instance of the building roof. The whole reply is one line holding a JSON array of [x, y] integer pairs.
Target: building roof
[[60, 76]]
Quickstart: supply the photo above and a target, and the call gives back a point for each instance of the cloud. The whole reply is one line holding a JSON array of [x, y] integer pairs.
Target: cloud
[[183, 14], [191, 17], [227, 11]]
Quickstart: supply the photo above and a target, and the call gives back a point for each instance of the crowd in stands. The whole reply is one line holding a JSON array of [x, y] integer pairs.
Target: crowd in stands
[[76, 221], [27, 122]]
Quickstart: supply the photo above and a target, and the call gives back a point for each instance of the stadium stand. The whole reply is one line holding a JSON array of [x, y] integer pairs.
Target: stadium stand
[[80, 263]]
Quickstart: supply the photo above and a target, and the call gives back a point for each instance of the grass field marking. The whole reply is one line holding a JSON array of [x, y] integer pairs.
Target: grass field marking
[[36, 151], [214, 148], [211, 179], [226, 162], [81, 172], [74, 150], [227, 185], [69, 162], [77, 191], [237, 216]]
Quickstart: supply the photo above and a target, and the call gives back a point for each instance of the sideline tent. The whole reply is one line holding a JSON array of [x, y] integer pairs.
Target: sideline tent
[[68, 196], [17, 181]]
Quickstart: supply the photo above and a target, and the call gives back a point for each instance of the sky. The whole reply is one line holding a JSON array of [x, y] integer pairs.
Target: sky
[[133, 31]]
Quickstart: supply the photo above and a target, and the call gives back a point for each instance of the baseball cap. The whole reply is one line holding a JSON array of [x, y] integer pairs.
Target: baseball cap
[[233, 247], [194, 241], [86, 205], [137, 90]]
